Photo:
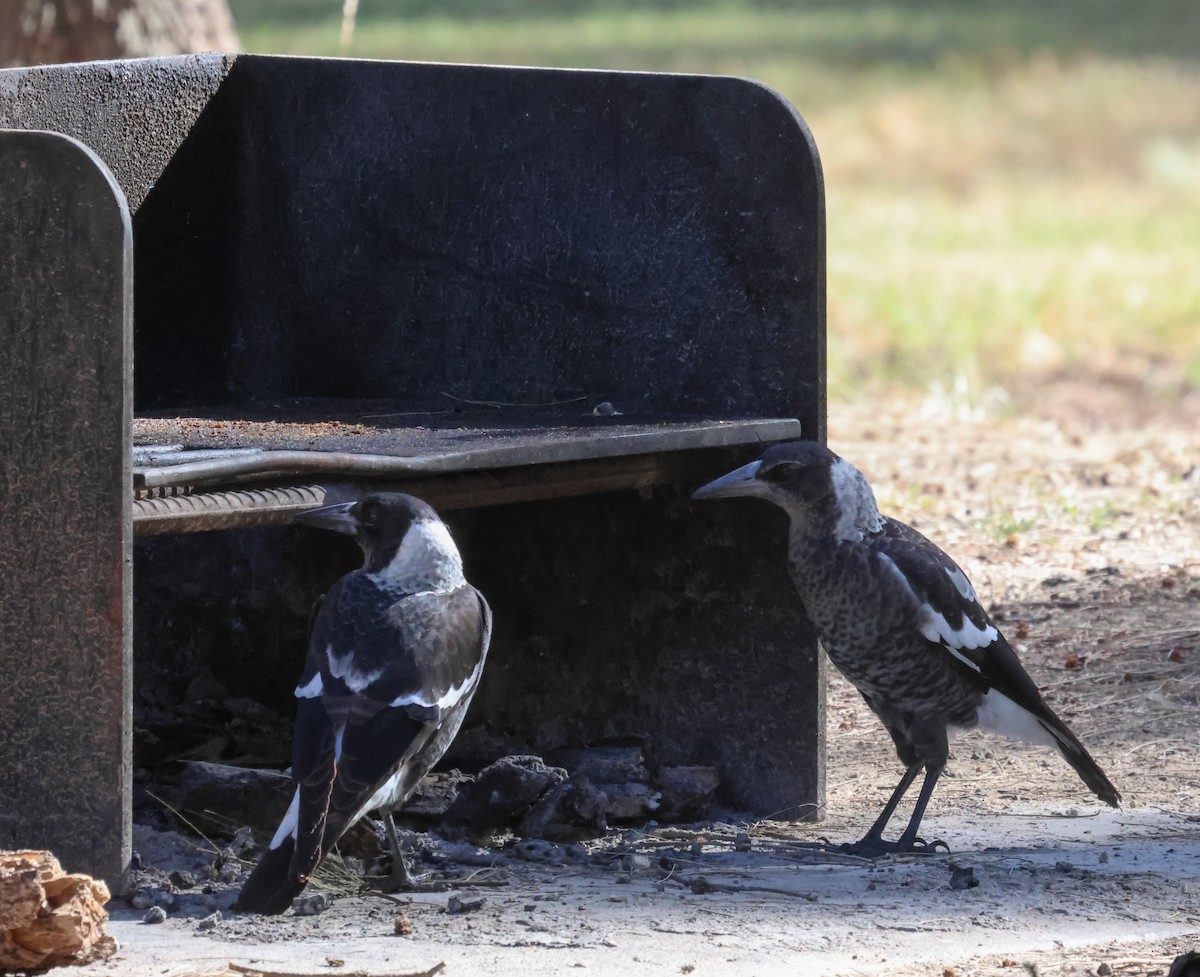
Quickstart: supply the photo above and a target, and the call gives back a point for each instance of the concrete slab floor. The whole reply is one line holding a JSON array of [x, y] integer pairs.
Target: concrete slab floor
[[1064, 887]]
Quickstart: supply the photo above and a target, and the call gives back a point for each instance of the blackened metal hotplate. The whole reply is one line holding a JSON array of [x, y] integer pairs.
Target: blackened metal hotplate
[[187, 450]]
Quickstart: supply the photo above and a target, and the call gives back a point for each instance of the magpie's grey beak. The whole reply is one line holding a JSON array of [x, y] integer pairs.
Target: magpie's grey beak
[[335, 518], [738, 482]]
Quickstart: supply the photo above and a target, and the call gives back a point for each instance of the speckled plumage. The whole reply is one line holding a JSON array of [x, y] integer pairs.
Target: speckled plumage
[[901, 621], [396, 652], [868, 625]]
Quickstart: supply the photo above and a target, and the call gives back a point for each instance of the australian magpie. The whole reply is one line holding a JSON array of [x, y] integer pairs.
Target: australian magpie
[[395, 655], [901, 621]]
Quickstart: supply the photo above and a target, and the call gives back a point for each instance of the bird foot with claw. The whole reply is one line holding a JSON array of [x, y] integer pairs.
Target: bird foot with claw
[[821, 844], [405, 880], [876, 847], [413, 883]]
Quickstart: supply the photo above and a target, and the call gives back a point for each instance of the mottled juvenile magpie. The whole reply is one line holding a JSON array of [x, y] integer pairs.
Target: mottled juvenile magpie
[[901, 621], [395, 655]]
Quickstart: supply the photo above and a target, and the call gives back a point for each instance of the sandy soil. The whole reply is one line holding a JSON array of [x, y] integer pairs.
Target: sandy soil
[[1081, 528]]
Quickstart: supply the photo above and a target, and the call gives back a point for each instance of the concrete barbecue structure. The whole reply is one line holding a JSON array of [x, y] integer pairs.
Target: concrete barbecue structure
[[548, 302]]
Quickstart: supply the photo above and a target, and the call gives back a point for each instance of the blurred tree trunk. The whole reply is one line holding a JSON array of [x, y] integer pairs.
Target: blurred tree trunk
[[48, 31]]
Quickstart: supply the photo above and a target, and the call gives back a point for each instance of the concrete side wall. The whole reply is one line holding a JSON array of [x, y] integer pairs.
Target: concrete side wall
[[65, 525]]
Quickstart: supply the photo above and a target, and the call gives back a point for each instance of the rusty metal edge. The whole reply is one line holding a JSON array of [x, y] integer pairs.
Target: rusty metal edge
[[269, 464]]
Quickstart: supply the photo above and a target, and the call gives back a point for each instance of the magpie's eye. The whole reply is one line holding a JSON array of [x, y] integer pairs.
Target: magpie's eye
[[780, 472], [368, 513]]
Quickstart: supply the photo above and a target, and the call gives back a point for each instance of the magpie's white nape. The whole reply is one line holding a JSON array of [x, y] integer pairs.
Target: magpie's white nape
[[902, 622], [395, 655]]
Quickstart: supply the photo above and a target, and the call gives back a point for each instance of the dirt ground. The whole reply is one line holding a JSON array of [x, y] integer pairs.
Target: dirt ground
[[1078, 519]]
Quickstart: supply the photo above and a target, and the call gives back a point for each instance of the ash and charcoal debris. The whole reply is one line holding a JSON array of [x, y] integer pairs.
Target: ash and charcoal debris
[[517, 810], [694, 859], [523, 795], [173, 875], [575, 798]]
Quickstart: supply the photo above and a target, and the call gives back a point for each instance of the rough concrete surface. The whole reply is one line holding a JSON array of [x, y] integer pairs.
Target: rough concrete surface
[[1078, 884]]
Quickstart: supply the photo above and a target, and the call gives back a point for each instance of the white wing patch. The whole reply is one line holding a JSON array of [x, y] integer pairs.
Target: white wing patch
[[287, 827], [342, 666], [387, 793], [888, 564], [448, 698], [961, 657], [999, 714], [961, 584], [935, 627], [313, 689]]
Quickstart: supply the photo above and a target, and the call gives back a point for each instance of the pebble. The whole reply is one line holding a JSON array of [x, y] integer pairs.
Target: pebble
[[209, 922], [155, 914], [182, 880], [242, 842], [741, 841], [455, 904], [312, 905]]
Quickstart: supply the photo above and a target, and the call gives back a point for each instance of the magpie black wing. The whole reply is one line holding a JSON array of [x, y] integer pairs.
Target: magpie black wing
[[949, 616], [381, 671], [389, 668]]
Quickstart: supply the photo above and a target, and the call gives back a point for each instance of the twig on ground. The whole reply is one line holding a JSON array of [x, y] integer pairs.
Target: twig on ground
[[404, 413], [237, 968], [699, 884], [501, 403]]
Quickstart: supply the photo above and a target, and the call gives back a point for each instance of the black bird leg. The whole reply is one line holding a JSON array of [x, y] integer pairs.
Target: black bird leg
[[872, 845], [909, 840], [402, 879]]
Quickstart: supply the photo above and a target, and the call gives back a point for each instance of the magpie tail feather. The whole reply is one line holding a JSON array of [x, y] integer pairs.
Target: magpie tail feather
[[273, 884], [1081, 761]]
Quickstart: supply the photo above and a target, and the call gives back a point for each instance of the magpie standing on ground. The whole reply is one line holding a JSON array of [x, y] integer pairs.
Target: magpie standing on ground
[[901, 621], [395, 655]]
